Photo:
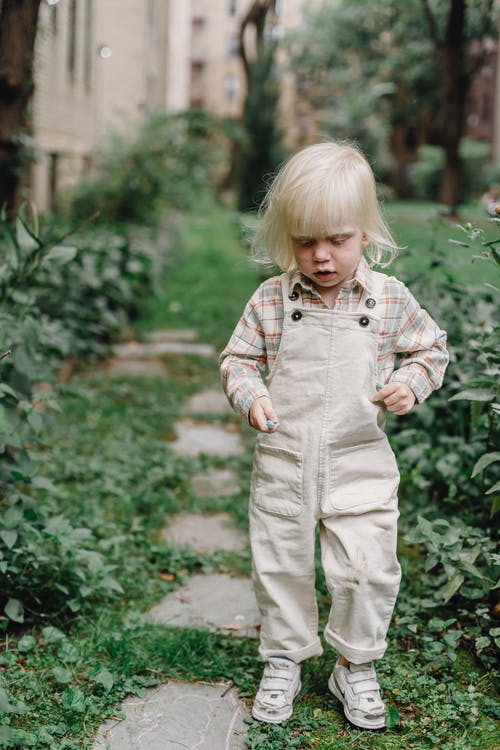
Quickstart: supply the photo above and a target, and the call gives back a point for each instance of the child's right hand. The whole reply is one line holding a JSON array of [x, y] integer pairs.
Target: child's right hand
[[260, 412]]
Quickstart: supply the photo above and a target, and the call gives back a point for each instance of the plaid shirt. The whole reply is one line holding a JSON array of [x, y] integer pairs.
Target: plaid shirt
[[406, 330]]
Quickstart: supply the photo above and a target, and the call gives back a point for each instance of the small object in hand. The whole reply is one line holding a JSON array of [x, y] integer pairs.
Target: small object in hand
[[270, 424], [5, 354]]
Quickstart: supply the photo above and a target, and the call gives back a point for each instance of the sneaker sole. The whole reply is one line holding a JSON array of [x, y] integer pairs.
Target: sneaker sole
[[275, 719], [379, 724]]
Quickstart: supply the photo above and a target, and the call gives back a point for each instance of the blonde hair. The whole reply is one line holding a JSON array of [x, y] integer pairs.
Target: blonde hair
[[317, 191]]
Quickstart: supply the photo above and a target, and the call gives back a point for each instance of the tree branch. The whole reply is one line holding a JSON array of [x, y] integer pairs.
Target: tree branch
[[431, 22]]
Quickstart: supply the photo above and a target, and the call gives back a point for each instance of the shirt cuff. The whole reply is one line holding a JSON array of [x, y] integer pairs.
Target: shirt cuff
[[416, 379], [244, 400]]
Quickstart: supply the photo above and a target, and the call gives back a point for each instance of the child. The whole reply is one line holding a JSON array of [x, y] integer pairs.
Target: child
[[328, 331]]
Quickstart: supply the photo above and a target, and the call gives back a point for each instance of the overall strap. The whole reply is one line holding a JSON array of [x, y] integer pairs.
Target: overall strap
[[378, 283]]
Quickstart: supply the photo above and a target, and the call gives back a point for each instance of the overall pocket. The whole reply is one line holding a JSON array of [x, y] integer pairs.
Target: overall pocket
[[362, 477], [277, 480]]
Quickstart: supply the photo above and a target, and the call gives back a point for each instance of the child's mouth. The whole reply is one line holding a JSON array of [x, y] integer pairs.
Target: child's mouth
[[324, 274]]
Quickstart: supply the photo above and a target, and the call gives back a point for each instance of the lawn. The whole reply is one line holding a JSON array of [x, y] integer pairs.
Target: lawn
[[108, 457]]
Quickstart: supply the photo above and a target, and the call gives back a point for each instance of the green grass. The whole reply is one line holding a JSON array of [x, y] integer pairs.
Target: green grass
[[108, 455], [424, 233], [209, 281]]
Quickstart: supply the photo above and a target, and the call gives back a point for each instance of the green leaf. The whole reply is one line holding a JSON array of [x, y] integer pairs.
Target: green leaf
[[26, 240], [495, 488], [495, 506], [62, 675], [73, 699], [53, 635], [9, 538], [393, 717], [482, 642], [14, 610], [479, 394], [104, 677], [18, 707], [452, 586], [60, 255], [68, 653], [4, 388], [27, 643], [35, 421], [483, 461]]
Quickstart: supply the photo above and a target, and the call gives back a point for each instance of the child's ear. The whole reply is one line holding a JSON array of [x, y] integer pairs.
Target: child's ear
[[364, 239]]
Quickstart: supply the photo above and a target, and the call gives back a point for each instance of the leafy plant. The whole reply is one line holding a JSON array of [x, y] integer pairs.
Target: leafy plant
[[483, 388], [162, 167], [461, 558]]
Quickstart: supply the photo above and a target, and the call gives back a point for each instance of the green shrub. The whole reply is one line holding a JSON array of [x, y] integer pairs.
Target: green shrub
[[165, 165], [55, 301], [425, 174], [95, 295]]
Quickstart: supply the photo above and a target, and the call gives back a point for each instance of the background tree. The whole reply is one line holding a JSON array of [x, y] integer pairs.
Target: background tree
[[261, 149], [394, 76], [18, 25]]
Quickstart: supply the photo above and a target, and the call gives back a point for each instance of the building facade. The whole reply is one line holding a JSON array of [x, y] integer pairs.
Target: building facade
[[217, 76], [101, 65]]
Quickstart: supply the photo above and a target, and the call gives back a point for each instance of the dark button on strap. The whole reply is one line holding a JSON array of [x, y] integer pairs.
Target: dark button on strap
[[364, 321], [296, 315], [370, 302], [294, 295]]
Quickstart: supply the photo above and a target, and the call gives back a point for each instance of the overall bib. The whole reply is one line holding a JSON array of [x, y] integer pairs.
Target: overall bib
[[330, 464]]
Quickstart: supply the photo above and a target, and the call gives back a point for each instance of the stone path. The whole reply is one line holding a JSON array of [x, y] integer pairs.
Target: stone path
[[178, 714], [204, 533]]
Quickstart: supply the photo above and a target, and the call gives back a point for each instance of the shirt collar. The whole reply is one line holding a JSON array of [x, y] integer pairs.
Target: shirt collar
[[363, 276]]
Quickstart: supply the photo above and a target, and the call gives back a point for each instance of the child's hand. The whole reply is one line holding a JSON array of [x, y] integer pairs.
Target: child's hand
[[398, 398], [262, 414]]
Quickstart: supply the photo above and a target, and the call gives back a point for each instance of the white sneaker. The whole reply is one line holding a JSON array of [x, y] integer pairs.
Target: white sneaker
[[279, 686], [357, 689]]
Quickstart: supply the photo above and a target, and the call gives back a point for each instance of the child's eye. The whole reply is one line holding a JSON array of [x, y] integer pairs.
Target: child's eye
[[304, 241]]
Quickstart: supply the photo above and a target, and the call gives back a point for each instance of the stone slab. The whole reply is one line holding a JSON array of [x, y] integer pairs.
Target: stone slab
[[205, 533], [209, 401], [215, 483], [136, 349], [136, 368], [215, 602], [172, 334], [195, 437], [178, 715]]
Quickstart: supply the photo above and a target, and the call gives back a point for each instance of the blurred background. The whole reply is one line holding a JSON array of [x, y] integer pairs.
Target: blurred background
[[414, 83]]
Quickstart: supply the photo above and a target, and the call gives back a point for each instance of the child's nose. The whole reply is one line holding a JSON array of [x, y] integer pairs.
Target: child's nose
[[321, 250]]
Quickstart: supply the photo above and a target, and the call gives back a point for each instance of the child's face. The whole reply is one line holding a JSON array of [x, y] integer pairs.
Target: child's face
[[329, 261]]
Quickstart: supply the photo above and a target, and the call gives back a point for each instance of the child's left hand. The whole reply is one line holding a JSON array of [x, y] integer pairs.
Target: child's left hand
[[398, 398]]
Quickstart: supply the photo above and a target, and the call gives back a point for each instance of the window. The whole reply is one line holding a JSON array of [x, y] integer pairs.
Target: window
[[151, 12], [87, 43], [233, 46], [53, 19], [53, 181], [231, 87], [71, 50]]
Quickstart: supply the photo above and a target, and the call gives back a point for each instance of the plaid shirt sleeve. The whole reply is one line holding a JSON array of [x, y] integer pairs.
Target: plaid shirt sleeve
[[243, 361], [419, 343]]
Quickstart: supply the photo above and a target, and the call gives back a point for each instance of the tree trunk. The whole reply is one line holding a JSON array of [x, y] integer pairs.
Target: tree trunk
[[18, 25], [455, 84]]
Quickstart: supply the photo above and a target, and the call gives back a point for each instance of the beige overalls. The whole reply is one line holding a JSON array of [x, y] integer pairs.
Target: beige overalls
[[329, 463]]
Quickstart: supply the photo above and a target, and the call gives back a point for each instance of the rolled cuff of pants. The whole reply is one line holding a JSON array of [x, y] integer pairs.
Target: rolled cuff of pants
[[352, 654], [314, 649]]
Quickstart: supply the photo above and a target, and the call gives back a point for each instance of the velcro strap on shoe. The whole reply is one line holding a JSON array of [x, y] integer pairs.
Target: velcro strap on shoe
[[274, 684], [366, 674], [283, 674], [370, 686]]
